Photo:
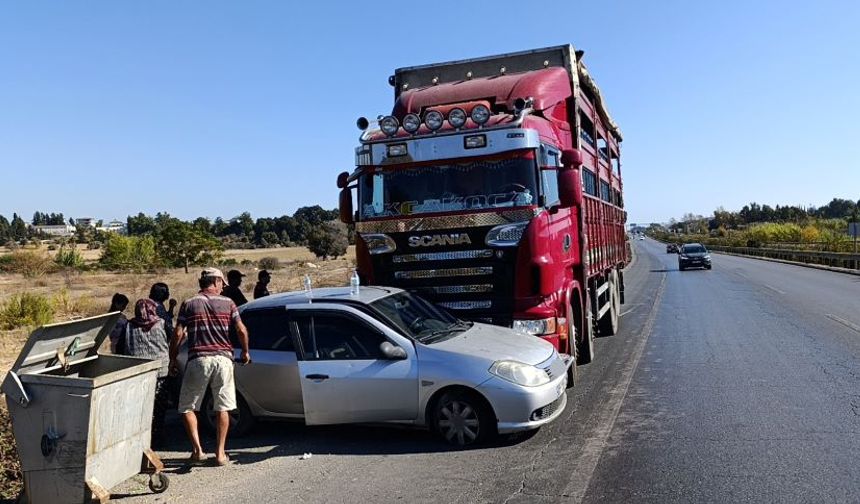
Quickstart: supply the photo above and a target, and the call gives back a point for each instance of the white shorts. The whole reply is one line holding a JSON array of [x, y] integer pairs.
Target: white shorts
[[214, 372]]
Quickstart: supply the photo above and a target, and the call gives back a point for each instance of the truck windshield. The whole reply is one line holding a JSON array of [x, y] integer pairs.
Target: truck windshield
[[391, 192]]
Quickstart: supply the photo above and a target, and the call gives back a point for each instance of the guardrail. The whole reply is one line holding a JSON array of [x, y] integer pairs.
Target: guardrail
[[831, 259]]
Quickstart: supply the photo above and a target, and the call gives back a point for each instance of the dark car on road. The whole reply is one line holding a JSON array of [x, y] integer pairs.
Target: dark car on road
[[671, 248], [693, 255]]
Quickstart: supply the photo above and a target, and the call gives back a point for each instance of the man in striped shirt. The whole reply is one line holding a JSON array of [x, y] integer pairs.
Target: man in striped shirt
[[206, 320]]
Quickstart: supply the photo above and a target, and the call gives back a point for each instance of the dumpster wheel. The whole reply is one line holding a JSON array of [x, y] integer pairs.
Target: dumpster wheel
[[158, 482]]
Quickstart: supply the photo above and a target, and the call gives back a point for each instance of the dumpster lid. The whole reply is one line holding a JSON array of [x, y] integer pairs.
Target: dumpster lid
[[55, 346]]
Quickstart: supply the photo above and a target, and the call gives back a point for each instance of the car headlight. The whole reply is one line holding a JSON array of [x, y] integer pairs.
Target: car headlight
[[536, 327], [480, 114], [708, 257], [519, 373]]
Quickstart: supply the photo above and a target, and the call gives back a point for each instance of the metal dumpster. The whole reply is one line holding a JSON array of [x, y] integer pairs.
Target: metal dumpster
[[82, 421]]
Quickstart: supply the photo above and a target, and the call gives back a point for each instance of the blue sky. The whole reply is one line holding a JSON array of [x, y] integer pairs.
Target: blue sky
[[214, 108]]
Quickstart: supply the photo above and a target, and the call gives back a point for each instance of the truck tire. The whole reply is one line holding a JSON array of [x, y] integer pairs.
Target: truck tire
[[572, 334], [609, 323], [585, 342]]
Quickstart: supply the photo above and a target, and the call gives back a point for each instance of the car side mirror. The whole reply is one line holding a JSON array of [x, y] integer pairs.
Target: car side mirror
[[345, 206], [391, 351]]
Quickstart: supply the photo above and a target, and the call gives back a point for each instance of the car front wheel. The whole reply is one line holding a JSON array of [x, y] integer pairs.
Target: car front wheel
[[461, 419], [241, 420]]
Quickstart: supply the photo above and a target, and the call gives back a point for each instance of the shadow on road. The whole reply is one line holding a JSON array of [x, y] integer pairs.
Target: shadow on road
[[270, 439]]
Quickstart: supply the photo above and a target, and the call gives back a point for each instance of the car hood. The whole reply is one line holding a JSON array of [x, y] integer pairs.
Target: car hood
[[498, 343]]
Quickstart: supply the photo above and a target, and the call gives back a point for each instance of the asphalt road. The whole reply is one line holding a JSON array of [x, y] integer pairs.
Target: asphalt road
[[739, 384]]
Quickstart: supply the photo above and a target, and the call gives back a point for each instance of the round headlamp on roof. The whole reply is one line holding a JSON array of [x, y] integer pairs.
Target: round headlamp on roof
[[411, 123], [389, 125], [457, 117], [480, 114], [434, 120]]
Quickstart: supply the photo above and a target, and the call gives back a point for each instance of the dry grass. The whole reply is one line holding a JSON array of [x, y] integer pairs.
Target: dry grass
[[81, 294]]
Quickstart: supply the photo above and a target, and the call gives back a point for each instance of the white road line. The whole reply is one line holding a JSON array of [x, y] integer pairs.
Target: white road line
[[595, 445], [774, 289], [846, 323]]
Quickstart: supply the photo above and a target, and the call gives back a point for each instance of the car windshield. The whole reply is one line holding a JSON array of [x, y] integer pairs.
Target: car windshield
[[419, 319], [694, 249], [391, 192]]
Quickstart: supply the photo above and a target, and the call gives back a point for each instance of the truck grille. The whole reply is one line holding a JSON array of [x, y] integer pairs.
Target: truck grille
[[473, 281]]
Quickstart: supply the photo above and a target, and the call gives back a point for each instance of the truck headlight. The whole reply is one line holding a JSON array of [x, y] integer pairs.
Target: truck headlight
[[411, 122], [457, 117], [379, 243], [537, 327], [519, 373], [434, 120], [506, 235], [480, 114], [389, 125]]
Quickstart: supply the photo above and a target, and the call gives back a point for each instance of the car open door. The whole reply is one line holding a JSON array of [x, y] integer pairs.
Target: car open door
[[345, 375]]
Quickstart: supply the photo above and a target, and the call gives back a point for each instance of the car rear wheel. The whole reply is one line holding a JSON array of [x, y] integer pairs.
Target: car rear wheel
[[462, 419], [241, 420]]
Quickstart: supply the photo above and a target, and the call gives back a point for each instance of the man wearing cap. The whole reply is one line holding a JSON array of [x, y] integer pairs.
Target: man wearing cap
[[205, 320], [232, 291], [262, 287]]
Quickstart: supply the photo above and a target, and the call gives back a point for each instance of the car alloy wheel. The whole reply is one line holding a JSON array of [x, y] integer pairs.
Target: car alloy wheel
[[460, 419]]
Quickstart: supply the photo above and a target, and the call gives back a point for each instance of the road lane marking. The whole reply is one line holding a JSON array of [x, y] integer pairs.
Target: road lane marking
[[774, 289], [846, 323], [594, 446]]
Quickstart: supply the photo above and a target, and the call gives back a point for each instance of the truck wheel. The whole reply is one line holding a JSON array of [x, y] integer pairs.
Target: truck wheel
[[609, 323], [462, 419], [585, 342], [572, 334]]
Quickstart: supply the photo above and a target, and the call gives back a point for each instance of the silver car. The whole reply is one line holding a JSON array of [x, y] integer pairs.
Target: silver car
[[385, 355]]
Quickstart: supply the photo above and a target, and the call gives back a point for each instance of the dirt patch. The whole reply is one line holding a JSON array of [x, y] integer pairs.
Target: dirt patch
[[11, 479]]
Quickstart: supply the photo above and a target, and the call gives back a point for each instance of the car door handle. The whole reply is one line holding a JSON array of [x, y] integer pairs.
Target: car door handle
[[317, 377]]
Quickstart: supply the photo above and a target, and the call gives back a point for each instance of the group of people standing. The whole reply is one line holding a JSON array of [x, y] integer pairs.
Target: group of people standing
[[206, 321]]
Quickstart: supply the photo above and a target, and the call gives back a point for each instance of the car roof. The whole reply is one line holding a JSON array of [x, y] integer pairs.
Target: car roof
[[366, 295]]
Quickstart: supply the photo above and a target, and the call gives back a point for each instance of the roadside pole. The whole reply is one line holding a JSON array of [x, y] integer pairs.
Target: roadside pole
[[854, 230]]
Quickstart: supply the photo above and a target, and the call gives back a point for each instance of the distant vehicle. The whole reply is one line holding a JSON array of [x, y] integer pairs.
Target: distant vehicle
[[693, 255], [385, 355], [671, 248], [641, 237]]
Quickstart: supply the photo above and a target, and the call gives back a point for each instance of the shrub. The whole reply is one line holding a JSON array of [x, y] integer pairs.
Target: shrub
[[227, 262], [247, 262], [269, 263], [69, 257], [66, 304], [25, 309], [29, 263]]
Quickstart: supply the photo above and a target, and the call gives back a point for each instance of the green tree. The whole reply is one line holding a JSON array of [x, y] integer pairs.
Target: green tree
[[140, 225], [180, 244], [328, 240], [18, 227], [129, 253]]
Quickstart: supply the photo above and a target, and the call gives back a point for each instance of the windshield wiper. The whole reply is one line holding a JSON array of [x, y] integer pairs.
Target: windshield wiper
[[459, 326]]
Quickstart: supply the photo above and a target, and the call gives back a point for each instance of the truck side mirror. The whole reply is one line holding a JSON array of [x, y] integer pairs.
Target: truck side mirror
[[345, 206], [342, 180], [569, 187], [571, 158]]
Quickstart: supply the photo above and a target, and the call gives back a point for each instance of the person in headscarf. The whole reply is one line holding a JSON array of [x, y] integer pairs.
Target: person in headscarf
[[146, 336]]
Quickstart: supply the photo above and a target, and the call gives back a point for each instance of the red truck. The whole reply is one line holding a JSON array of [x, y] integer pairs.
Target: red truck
[[494, 190]]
